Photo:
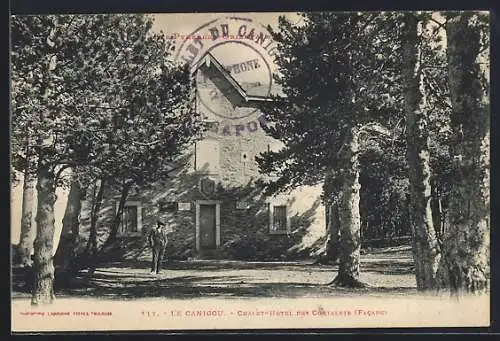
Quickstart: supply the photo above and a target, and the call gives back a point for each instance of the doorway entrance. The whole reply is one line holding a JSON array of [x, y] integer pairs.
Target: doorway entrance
[[207, 225]]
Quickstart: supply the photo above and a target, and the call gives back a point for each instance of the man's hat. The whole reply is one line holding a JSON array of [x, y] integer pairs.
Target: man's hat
[[159, 222]]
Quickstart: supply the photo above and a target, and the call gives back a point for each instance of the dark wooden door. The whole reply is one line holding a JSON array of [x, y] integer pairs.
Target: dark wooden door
[[207, 227]]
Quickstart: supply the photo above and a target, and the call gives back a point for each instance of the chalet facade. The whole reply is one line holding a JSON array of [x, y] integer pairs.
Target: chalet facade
[[212, 206]]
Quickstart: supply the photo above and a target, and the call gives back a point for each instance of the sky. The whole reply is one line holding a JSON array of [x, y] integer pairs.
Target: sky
[[185, 23]]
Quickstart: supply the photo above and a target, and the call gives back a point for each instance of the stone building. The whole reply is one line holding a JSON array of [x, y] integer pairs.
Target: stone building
[[212, 206]]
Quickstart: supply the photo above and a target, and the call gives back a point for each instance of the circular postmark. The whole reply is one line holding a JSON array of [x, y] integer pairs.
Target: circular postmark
[[232, 59]]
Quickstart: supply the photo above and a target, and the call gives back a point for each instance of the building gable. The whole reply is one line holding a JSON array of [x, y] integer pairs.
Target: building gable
[[236, 93]]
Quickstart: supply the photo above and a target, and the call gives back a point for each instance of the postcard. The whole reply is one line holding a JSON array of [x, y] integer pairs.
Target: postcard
[[223, 171]]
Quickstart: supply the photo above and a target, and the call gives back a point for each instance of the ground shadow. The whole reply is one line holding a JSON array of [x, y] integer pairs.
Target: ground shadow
[[211, 265], [105, 285], [225, 278], [389, 267]]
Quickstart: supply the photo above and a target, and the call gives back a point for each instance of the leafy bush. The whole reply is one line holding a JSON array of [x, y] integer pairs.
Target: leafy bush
[[256, 246]]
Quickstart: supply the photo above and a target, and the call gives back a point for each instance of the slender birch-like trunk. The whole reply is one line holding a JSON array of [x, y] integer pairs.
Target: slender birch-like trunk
[[425, 245], [91, 247], [118, 218], [350, 219]]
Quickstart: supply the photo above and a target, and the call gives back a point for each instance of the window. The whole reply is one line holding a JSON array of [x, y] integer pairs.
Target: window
[[131, 222], [207, 157], [278, 219]]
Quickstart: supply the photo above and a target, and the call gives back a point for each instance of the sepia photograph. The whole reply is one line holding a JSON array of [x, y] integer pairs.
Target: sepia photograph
[[253, 170]]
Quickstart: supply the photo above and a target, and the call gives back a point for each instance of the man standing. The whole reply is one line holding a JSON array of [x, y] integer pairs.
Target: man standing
[[158, 241]]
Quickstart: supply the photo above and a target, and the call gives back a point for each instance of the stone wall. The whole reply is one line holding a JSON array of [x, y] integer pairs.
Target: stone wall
[[244, 232]]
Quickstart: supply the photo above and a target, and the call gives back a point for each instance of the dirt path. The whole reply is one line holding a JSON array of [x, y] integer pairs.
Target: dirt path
[[386, 271]]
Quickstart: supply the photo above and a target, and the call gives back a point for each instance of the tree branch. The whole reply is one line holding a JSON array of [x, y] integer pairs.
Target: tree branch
[[427, 66], [440, 25], [62, 169], [177, 168], [375, 127], [146, 144]]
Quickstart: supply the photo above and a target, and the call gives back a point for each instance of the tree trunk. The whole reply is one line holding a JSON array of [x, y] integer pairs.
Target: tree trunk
[[350, 220], [436, 208], [43, 290], [332, 243], [27, 229], [117, 219], [67, 251], [333, 233], [464, 267], [91, 247], [97, 257], [425, 245]]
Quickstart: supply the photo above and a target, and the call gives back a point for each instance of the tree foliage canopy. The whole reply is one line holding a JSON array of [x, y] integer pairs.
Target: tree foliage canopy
[[99, 92], [337, 71]]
